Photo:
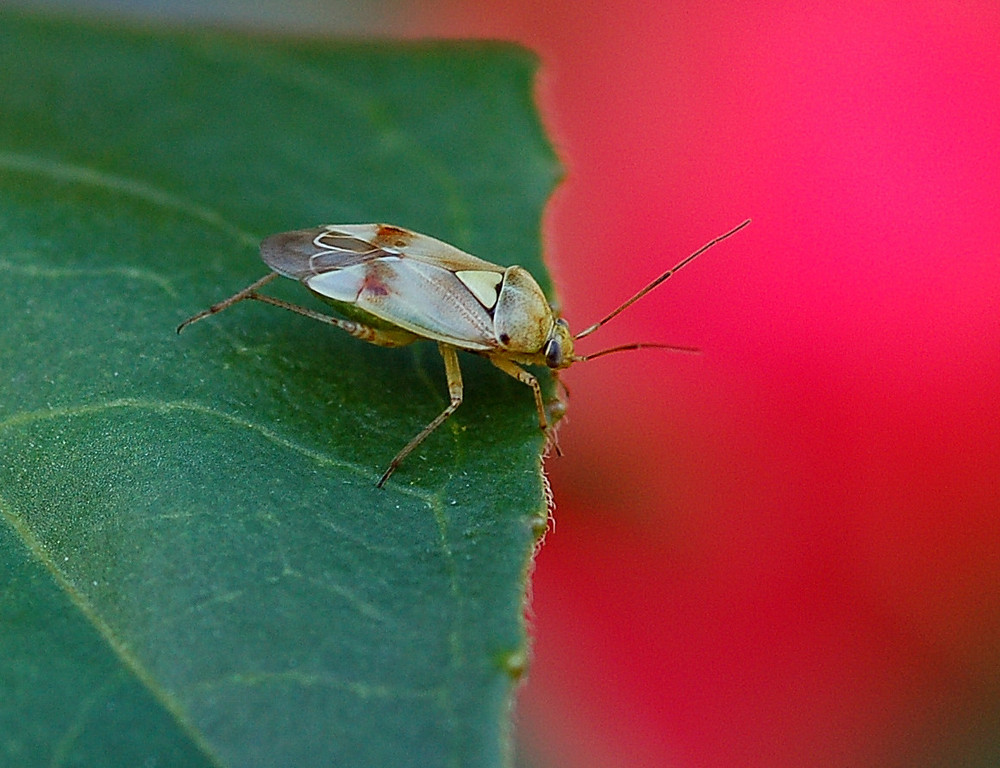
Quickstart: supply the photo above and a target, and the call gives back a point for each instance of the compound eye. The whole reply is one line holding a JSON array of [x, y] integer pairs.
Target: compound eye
[[553, 353]]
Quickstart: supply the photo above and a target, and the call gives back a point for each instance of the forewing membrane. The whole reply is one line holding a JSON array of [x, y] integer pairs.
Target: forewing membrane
[[306, 252]]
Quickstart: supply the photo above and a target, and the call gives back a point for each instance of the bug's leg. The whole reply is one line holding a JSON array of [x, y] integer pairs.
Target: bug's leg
[[454, 374], [556, 408], [563, 389], [247, 293], [383, 338], [512, 369]]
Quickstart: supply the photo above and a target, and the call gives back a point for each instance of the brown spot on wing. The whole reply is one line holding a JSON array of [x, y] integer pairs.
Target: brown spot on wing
[[376, 281], [388, 236]]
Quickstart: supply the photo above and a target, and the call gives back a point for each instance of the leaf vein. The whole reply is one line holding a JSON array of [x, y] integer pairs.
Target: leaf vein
[[77, 174], [306, 680], [27, 417], [115, 644], [58, 273]]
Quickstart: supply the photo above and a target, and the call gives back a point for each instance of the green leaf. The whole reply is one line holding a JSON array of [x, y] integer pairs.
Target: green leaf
[[195, 565]]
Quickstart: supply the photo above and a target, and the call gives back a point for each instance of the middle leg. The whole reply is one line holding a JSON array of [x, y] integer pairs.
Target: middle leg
[[454, 374]]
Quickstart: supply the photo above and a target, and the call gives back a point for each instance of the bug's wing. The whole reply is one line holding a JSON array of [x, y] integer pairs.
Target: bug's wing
[[307, 252], [407, 279], [423, 298]]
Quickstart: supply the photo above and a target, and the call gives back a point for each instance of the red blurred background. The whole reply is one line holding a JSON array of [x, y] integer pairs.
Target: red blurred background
[[784, 551]]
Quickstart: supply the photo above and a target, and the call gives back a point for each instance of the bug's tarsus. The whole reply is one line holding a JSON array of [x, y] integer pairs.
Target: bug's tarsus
[[453, 372], [247, 293], [657, 281], [552, 441]]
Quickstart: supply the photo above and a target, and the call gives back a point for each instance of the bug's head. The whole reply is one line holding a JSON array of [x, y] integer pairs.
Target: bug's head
[[558, 349], [559, 346]]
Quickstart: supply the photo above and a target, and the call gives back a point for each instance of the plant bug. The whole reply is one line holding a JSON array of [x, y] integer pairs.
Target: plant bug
[[394, 287]]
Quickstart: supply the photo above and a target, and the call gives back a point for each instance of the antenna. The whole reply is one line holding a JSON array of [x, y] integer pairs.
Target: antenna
[[652, 285]]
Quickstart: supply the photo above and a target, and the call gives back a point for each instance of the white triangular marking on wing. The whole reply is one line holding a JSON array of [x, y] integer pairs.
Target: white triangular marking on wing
[[485, 286]]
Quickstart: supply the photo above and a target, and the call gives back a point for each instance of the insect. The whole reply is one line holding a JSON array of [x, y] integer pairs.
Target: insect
[[393, 287]]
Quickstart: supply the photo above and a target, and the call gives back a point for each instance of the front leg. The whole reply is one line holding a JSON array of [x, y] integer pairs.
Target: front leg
[[513, 369]]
